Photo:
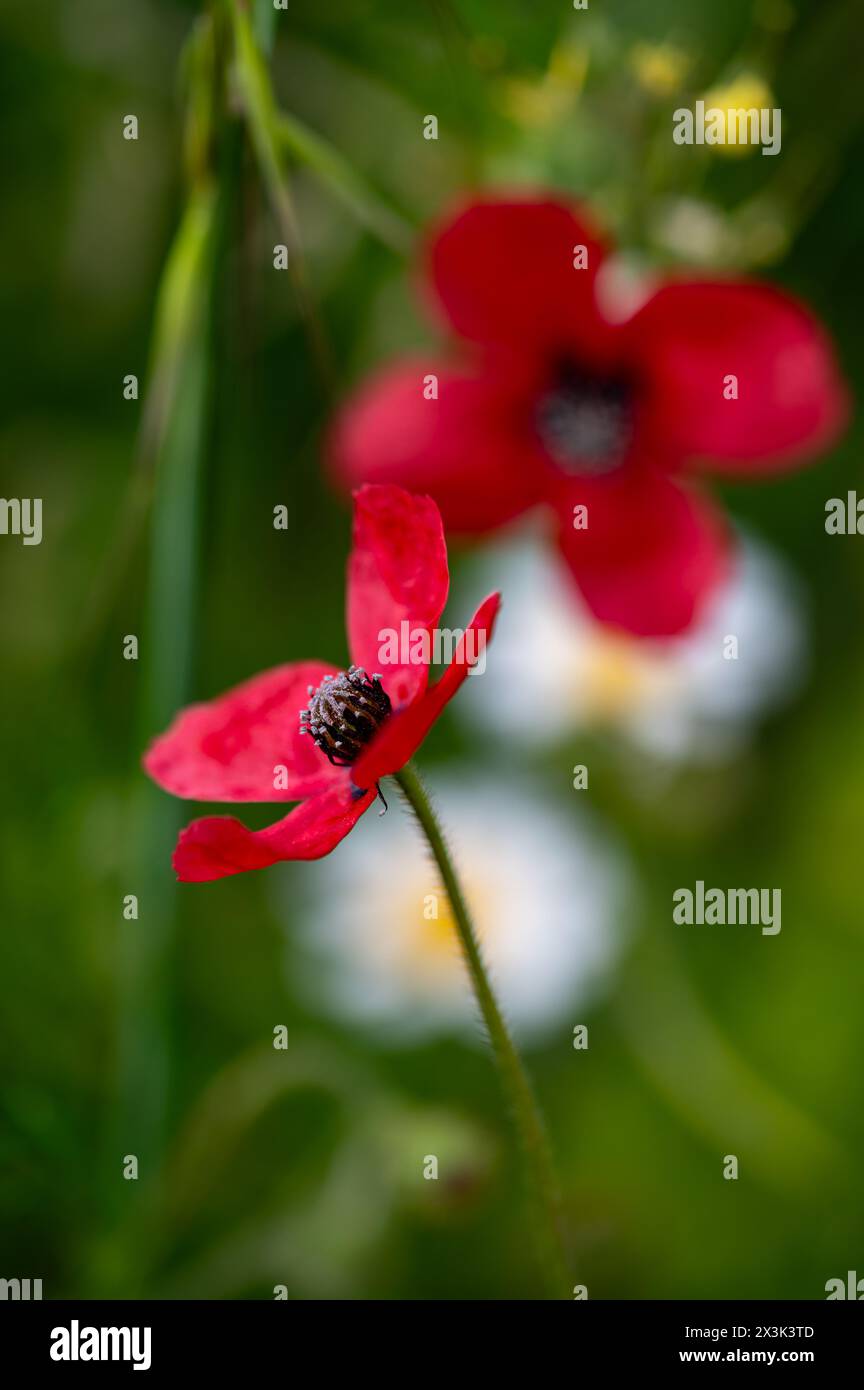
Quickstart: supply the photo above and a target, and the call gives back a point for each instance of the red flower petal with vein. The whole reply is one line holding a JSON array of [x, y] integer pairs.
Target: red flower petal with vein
[[554, 404], [397, 573], [402, 735], [217, 846], [227, 749], [257, 742]]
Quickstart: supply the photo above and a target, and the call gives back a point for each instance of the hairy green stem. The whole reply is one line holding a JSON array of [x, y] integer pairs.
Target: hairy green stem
[[539, 1169]]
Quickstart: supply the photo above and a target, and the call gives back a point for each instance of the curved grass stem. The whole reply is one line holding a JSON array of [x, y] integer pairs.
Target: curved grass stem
[[540, 1174]]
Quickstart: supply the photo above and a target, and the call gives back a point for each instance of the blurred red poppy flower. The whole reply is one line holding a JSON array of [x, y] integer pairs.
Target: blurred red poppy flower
[[309, 732], [557, 405]]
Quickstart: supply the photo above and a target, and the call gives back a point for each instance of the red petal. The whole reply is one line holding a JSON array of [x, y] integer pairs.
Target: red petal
[[690, 337], [473, 449], [229, 749], [652, 553], [397, 573], [504, 272], [217, 846], [402, 735]]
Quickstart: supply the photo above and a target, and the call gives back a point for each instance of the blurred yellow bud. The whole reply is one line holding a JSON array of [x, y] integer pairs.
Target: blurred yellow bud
[[659, 67], [542, 103], [747, 92]]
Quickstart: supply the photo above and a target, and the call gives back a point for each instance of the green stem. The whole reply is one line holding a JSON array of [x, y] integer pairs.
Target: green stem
[[336, 173], [540, 1173], [262, 119], [173, 443]]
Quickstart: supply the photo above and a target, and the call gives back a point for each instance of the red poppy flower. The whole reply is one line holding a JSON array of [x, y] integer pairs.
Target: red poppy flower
[[556, 404], [309, 732]]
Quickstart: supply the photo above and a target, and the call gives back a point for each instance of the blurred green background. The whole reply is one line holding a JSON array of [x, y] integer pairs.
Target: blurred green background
[[153, 1037]]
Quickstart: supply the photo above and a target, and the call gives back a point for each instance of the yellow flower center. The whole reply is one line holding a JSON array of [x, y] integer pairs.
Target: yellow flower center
[[423, 928]]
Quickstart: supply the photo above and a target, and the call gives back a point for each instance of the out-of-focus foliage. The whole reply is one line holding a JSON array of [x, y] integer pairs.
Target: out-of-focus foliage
[[153, 1037]]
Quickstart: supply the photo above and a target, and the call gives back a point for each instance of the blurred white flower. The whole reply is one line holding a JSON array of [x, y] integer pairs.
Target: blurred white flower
[[546, 890], [552, 669]]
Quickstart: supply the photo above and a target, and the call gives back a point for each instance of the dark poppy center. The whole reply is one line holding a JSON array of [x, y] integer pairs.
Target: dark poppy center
[[586, 422], [345, 713]]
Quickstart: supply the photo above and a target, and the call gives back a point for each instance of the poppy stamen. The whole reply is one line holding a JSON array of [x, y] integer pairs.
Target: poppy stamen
[[345, 713]]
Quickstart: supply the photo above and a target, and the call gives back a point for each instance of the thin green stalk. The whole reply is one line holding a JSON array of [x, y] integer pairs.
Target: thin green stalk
[[181, 301], [540, 1173], [172, 448], [346, 184], [272, 129], [165, 657], [263, 122]]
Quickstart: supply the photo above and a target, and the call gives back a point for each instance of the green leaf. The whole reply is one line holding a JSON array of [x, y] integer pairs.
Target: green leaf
[[264, 24], [346, 183]]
